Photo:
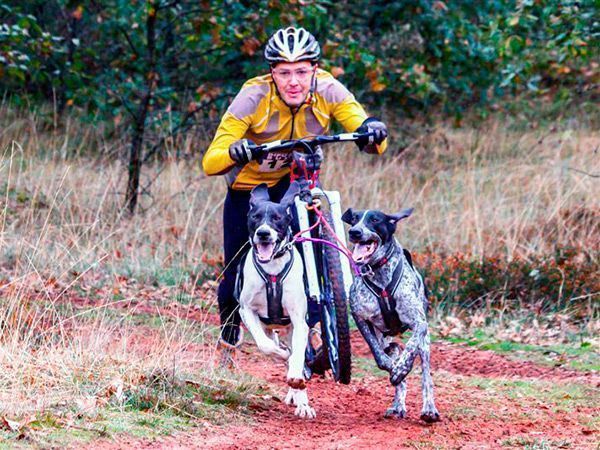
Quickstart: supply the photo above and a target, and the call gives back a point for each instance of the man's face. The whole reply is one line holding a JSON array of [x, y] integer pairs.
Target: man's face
[[293, 81]]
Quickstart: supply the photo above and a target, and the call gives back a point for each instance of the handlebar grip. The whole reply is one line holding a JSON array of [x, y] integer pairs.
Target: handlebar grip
[[258, 153], [364, 139]]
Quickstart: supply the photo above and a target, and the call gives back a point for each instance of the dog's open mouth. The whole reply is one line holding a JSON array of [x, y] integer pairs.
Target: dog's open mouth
[[363, 250], [264, 251]]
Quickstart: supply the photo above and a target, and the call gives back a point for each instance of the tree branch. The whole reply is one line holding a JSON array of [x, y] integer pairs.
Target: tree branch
[[168, 5], [188, 115], [129, 42], [584, 173]]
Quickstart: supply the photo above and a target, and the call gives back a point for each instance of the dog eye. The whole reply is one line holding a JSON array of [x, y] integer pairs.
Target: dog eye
[[276, 217], [374, 219]]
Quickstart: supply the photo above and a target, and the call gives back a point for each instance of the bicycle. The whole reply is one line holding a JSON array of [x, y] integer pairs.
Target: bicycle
[[328, 275]]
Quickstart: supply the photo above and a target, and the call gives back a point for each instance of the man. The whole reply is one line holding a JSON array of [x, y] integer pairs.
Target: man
[[295, 100]]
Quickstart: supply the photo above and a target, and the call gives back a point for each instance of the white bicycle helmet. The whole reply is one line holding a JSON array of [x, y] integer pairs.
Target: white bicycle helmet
[[292, 45]]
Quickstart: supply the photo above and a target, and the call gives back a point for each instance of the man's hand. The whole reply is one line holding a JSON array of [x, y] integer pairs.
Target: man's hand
[[379, 131], [244, 151]]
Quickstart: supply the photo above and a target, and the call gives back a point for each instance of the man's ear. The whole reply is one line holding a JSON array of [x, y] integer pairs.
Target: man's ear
[[348, 217], [393, 218], [259, 194]]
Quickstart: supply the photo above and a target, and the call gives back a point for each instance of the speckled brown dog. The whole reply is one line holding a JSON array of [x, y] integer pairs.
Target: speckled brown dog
[[387, 299]]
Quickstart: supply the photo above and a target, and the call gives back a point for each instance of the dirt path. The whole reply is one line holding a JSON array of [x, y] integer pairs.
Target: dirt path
[[474, 416]]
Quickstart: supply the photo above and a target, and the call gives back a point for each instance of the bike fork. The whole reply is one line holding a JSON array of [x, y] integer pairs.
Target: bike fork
[[333, 197], [310, 267], [336, 214]]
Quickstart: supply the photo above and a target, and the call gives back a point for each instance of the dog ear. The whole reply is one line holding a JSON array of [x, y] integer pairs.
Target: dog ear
[[259, 194], [348, 217], [393, 218], [288, 197]]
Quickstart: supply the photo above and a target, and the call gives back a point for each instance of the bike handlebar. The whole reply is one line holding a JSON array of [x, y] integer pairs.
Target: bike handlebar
[[311, 143]]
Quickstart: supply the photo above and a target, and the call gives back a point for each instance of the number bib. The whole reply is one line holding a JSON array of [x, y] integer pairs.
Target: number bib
[[275, 161]]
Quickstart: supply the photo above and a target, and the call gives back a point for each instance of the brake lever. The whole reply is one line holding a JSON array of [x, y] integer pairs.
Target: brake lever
[[262, 153]]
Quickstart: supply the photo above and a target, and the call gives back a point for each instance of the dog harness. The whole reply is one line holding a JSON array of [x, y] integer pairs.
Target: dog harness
[[274, 285], [385, 297]]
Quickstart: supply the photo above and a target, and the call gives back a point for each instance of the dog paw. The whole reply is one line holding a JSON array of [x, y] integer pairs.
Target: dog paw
[[395, 413], [283, 353], [289, 398], [305, 412], [299, 398], [430, 416], [296, 383]]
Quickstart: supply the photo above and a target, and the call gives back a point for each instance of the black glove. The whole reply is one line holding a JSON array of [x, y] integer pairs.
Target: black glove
[[379, 130], [244, 151]]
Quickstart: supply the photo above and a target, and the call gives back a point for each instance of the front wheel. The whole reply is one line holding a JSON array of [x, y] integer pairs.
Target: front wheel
[[334, 313]]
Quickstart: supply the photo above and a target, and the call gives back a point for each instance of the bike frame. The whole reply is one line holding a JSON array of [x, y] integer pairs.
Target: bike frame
[[332, 199]]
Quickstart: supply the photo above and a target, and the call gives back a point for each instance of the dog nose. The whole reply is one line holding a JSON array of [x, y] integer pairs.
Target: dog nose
[[263, 234], [354, 233]]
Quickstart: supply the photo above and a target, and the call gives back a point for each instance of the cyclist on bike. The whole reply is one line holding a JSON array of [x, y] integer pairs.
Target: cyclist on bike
[[294, 100]]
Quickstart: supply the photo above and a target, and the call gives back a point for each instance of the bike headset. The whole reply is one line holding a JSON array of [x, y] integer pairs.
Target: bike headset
[[292, 45]]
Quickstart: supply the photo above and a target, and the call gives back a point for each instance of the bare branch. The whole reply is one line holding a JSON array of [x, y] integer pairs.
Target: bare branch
[[182, 125], [584, 173], [168, 5], [129, 41], [125, 104]]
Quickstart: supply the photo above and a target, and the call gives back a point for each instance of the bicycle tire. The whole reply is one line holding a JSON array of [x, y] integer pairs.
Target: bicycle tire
[[334, 267]]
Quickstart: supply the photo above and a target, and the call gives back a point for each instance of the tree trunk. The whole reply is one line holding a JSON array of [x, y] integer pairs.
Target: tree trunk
[[137, 141]]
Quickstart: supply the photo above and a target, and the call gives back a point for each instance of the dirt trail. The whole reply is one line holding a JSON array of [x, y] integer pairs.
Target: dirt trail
[[351, 416]]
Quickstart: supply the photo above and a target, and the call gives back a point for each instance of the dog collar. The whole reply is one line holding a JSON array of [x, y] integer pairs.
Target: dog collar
[[367, 270], [284, 246]]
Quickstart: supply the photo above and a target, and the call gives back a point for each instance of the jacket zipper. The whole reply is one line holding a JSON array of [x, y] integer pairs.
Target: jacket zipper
[[293, 121]]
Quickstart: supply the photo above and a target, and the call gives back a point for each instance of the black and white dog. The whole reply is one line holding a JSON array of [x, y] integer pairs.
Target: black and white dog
[[388, 299], [270, 289]]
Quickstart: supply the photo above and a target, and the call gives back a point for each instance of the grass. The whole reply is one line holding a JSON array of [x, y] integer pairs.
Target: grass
[[565, 397], [147, 383], [530, 443], [109, 422], [483, 191], [362, 367], [577, 351], [139, 420]]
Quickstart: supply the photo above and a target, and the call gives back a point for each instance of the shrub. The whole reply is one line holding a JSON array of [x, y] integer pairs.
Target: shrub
[[567, 280]]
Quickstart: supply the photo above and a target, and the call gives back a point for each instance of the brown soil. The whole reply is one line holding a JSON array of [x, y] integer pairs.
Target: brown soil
[[352, 416]]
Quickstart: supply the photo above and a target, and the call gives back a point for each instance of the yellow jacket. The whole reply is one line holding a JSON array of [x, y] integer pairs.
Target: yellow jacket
[[258, 113]]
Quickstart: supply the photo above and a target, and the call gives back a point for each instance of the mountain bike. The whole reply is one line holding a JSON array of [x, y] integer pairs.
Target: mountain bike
[[322, 244]]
